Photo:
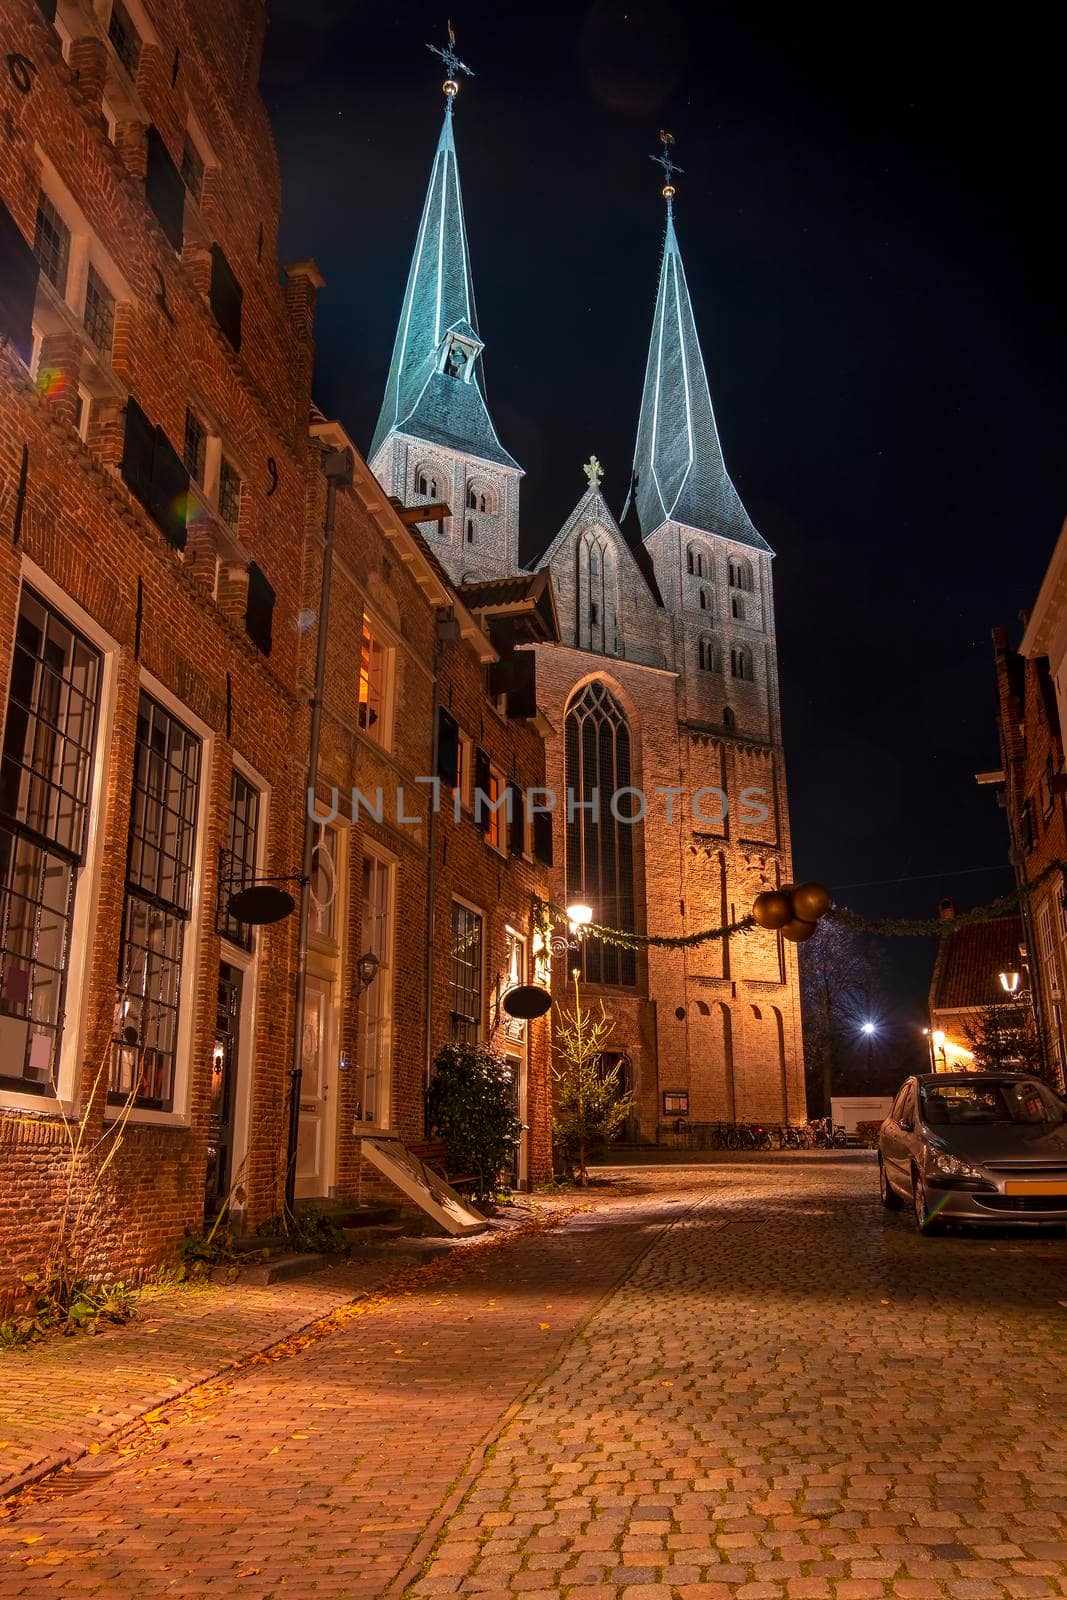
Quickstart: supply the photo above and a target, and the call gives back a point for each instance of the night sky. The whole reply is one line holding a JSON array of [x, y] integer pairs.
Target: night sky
[[869, 217]]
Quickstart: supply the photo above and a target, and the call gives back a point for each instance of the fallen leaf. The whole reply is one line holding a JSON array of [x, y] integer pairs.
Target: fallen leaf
[[544, 1326], [31, 1538], [249, 1572]]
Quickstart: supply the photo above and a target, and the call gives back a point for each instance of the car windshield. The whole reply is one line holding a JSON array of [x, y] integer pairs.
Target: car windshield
[[991, 1100]]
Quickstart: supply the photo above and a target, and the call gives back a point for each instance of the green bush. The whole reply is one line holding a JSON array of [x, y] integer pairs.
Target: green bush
[[471, 1106]]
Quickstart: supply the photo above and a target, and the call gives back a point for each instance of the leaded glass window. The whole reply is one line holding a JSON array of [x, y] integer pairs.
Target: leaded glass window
[[600, 853], [159, 901], [194, 452], [465, 975], [229, 492], [99, 315], [242, 849], [51, 243], [45, 779]]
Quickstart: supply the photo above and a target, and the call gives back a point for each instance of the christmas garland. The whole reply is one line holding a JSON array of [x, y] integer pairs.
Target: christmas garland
[[545, 914]]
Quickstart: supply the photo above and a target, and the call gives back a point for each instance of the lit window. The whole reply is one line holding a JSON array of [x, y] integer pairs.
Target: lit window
[[373, 661], [229, 493], [45, 776], [124, 37], [99, 315], [465, 975], [495, 813], [600, 848], [194, 453], [157, 910], [51, 243], [193, 169]]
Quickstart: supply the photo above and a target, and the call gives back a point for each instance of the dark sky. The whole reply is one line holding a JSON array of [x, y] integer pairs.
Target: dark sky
[[869, 217]]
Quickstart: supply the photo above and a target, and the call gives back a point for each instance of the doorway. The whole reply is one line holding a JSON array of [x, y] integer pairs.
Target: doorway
[[314, 1151], [225, 1055]]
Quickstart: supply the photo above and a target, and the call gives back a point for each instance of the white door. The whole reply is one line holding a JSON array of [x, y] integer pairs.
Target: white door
[[314, 1150]]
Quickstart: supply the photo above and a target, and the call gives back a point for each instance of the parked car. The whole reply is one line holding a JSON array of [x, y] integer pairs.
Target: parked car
[[975, 1147]]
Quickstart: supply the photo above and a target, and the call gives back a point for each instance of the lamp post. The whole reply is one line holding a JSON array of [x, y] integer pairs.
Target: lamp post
[[937, 1042], [869, 1029]]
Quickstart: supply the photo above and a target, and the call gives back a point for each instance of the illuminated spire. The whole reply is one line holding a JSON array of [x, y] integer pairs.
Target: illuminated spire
[[679, 474], [436, 387]]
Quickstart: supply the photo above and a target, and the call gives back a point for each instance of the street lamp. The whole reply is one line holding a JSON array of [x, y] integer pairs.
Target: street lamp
[[869, 1029], [937, 1041], [1009, 982], [579, 916]]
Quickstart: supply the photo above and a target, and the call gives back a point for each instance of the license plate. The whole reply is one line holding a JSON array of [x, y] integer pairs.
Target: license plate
[[1057, 1186]]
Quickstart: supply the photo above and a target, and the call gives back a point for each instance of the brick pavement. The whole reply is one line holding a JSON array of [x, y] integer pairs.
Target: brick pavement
[[786, 1396]]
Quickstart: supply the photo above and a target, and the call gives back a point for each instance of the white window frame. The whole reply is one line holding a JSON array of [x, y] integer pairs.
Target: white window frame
[[479, 911], [87, 887], [192, 944]]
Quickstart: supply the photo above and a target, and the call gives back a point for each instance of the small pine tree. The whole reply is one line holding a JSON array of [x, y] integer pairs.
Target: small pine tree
[[1004, 1039], [591, 1106]]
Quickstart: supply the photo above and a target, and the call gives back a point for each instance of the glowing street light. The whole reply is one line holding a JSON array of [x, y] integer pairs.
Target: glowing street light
[[870, 1027], [579, 916], [1009, 982]]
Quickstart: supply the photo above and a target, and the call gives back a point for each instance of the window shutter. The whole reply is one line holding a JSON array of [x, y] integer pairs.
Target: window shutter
[[164, 189], [226, 295], [517, 824], [259, 609], [48, 9], [542, 837], [168, 501], [138, 449], [447, 747], [481, 781], [19, 271]]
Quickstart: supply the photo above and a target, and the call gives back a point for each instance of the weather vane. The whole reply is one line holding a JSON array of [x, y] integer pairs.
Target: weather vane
[[667, 163], [453, 65]]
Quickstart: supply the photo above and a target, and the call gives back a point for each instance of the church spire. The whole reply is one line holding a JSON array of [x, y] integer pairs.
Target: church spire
[[436, 388], [679, 474]]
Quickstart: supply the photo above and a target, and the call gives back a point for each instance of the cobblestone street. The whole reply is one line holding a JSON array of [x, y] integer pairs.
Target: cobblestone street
[[736, 1378]]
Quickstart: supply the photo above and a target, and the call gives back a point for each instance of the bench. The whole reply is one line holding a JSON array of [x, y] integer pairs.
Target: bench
[[433, 1153]]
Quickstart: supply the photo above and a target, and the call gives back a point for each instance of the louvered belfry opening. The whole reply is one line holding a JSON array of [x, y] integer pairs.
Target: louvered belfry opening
[[600, 847]]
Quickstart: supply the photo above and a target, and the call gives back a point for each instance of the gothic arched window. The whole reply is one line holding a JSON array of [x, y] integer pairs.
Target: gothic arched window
[[426, 482], [600, 847], [694, 561], [728, 718], [741, 663]]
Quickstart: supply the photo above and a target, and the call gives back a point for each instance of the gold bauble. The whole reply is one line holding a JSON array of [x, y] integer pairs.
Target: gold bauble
[[810, 901], [772, 909], [798, 931]]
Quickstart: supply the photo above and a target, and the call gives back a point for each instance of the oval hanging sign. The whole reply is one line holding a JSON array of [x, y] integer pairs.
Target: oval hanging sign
[[527, 1000], [260, 905]]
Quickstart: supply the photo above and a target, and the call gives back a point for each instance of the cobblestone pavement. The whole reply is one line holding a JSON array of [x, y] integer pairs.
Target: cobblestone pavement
[[733, 1379]]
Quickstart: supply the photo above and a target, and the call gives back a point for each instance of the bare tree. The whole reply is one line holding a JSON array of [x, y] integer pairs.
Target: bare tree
[[839, 983]]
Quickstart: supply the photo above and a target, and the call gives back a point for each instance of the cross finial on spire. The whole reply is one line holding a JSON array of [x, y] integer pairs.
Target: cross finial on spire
[[666, 161], [453, 65], [594, 472]]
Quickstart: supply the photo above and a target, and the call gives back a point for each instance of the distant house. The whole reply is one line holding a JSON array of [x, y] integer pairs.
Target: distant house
[[966, 982]]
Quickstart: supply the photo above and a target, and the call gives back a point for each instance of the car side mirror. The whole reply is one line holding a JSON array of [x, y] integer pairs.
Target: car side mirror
[[906, 1125]]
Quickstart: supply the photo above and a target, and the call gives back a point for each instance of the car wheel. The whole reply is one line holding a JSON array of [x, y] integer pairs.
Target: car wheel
[[923, 1221], [890, 1199]]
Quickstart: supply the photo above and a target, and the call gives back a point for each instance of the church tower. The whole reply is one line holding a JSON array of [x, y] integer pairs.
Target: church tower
[[435, 440], [665, 685]]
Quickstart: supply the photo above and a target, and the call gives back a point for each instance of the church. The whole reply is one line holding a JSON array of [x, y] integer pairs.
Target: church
[[659, 702]]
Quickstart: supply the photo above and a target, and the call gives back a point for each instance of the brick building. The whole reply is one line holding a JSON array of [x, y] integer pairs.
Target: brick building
[[442, 902], [664, 680], [1033, 789], [965, 987], [155, 386]]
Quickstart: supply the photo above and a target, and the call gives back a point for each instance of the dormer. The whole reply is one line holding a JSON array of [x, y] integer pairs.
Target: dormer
[[460, 349]]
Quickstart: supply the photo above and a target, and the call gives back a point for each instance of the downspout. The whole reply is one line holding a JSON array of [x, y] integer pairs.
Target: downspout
[[431, 848], [337, 466]]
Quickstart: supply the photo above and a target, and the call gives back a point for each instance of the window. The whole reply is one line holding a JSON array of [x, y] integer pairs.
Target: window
[[600, 869], [1026, 824], [1045, 789], [740, 574], [741, 663], [194, 453], [472, 498], [737, 608], [192, 168], [373, 687], [513, 975], [51, 243], [45, 778], [124, 37], [470, 531], [99, 317], [229, 492], [703, 599], [729, 720], [324, 856], [465, 975], [495, 813], [242, 854], [158, 905], [426, 483], [376, 1005], [709, 656], [694, 561]]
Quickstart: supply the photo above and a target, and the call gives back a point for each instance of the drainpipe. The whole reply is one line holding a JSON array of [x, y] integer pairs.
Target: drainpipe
[[431, 849], [338, 467]]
